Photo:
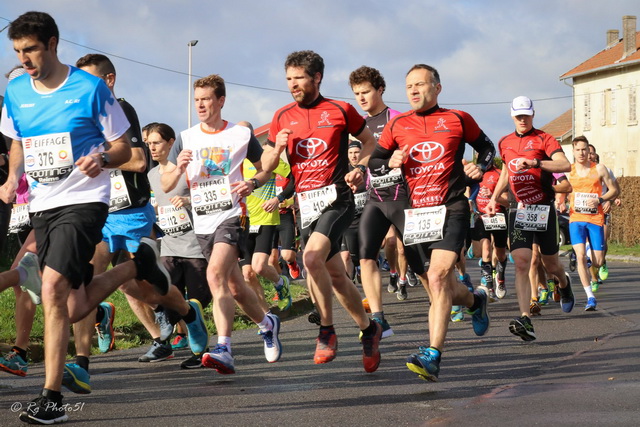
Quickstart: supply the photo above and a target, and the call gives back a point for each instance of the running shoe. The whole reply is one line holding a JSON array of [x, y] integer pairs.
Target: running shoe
[[501, 288], [457, 314], [470, 252], [370, 349], [573, 261], [326, 346], [76, 379], [588, 262], [359, 275], [294, 270], [198, 335], [219, 359], [591, 304], [272, 346], [284, 295], [567, 300], [314, 317], [522, 327], [552, 284], [164, 324], [194, 362], [402, 294], [43, 410], [104, 329], [603, 272], [393, 283], [180, 342], [480, 317], [157, 353], [425, 363], [535, 308], [365, 305], [466, 280], [595, 285], [33, 283], [386, 328], [543, 298], [14, 364], [492, 295], [150, 268], [411, 277], [511, 259], [384, 264]]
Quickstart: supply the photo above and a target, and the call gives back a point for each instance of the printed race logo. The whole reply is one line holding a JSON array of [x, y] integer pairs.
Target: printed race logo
[[426, 152], [513, 165], [310, 148]]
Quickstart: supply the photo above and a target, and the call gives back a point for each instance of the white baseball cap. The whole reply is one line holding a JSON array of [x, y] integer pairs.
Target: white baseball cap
[[521, 106]]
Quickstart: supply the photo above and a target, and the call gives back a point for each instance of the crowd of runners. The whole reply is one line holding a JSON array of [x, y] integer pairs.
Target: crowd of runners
[[208, 215]]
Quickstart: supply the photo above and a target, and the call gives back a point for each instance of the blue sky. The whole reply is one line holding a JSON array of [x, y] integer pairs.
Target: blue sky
[[487, 52]]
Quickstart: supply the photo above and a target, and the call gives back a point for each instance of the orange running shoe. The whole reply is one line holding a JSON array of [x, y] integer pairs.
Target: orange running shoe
[[365, 304], [326, 346], [294, 270], [370, 350]]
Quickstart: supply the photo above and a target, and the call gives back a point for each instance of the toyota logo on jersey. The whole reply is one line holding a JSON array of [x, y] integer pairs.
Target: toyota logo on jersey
[[310, 148], [426, 152], [513, 165]]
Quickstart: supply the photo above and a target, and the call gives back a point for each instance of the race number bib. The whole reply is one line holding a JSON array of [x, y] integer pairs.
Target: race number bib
[[48, 158], [19, 218], [211, 195], [424, 224], [254, 229], [313, 202], [581, 203], [119, 198], [392, 178], [174, 221], [532, 217], [360, 199], [496, 222]]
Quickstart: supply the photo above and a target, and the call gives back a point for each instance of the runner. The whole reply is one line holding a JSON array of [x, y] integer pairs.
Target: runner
[[530, 157], [586, 216], [285, 242], [211, 161], [428, 143], [63, 147], [314, 132]]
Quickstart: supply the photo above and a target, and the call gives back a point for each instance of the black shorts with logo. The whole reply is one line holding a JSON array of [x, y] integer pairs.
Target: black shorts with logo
[[332, 223], [499, 236], [547, 240]]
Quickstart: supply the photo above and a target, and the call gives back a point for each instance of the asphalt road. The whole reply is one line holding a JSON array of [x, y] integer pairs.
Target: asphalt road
[[584, 368]]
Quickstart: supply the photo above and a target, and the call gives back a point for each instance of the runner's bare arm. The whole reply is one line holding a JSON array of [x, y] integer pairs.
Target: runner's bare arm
[[613, 188], [501, 187], [118, 150], [558, 163], [173, 173], [16, 169], [137, 163], [272, 150]]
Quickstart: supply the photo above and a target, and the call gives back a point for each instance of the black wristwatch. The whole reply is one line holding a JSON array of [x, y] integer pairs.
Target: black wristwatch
[[362, 168], [105, 159], [255, 182]]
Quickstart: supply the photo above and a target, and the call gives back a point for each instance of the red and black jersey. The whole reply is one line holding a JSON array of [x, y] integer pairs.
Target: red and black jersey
[[436, 139], [318, 146], [487, 187], [529, 186]]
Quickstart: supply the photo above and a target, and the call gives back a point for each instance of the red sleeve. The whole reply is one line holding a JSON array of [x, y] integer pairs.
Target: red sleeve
[[275, 128], [551, 145], [471, 129], [355, 122]]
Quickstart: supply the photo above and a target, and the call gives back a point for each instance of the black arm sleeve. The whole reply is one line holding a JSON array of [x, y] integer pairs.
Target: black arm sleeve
[[486, 150], [289, 190], [379, 161], [254, 150]]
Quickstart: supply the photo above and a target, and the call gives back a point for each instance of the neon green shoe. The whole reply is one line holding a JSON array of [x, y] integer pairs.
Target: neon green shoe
[[603, 272]]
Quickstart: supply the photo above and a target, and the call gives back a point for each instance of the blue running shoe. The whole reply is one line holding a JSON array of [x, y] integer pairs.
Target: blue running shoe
[[511, 259], [470, 252], [457, 315], [425, 363], [106, 336], [180, 342], [480, 317], [219, 359], [198, 335], [466, 280], [76, 379], [567, 300], [284, 295], [13, 363], [272, 346], [591, 304]]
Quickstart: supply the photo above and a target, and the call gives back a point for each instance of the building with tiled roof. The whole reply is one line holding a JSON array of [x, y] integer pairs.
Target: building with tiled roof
[[605, 98], [561, 128]]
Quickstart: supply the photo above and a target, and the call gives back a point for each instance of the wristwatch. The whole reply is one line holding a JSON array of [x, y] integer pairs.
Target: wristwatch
[[105, 159], [362, 168], [255, 182]]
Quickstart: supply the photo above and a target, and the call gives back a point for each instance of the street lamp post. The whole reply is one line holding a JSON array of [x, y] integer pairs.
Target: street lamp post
[[190, 100]]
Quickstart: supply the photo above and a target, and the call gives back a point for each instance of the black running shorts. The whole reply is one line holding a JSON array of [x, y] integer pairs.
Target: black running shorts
[[547, 240], [332, 223]]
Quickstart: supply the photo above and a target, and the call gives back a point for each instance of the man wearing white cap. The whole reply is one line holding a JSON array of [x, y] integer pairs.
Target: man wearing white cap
[[530, 158]]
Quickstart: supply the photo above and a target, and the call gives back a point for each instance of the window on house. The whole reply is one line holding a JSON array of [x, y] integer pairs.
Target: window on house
[[587, 112], [633, 118], [603, 107], [614, 113]]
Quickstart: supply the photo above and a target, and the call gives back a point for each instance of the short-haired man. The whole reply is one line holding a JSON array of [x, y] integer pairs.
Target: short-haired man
[[586, 215], [428, 144], [531, 157], [314, 132], [212, 157], [66, 127]]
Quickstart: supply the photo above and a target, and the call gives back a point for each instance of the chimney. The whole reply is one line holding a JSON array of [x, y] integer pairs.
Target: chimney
[[628, 35], [613, 36]]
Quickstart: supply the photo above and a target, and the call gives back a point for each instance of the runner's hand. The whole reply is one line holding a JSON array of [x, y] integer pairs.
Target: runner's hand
[[399, 157], [282, 139], [271, 205], [606, 207], [179, 201], [184, 158], [472, 170], [242, 188], [8, 192], [491, 207], [89, 165], [354, 179]]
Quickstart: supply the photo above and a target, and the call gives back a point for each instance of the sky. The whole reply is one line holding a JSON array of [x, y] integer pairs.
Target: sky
[[487, 52]]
